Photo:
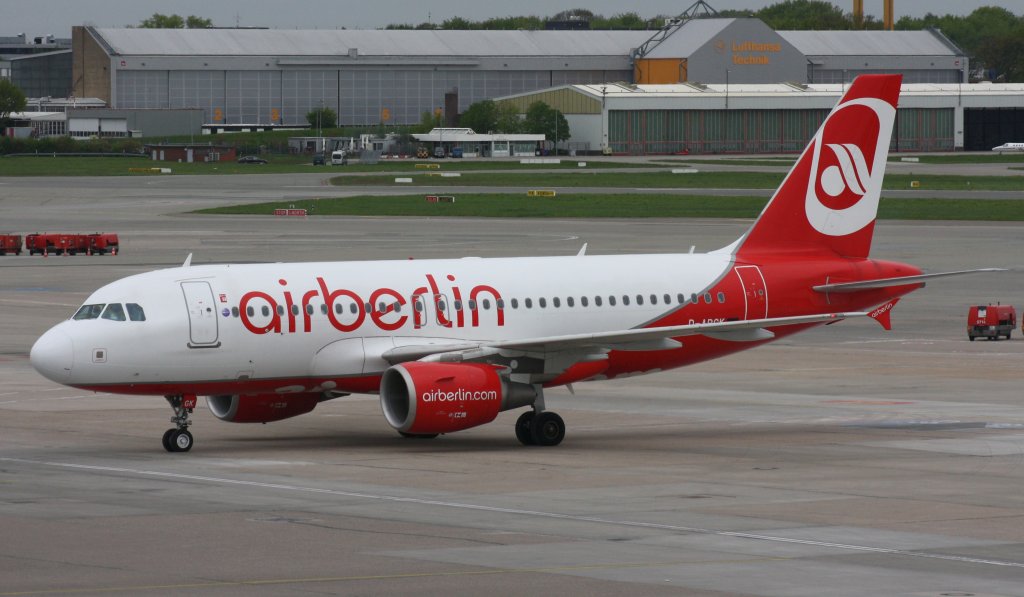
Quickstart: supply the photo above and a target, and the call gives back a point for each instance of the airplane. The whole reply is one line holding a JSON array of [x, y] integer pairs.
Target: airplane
[[1009, 147], [448, 344]]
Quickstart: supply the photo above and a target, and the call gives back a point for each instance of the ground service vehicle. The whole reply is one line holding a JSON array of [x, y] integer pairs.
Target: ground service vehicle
[[339, 158], [10, 243], [991, 321], [251, 159], [102, 243], [449, 343]]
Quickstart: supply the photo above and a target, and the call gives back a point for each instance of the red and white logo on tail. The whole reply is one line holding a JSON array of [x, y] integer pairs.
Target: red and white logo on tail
[[848, 159], [829, 200]]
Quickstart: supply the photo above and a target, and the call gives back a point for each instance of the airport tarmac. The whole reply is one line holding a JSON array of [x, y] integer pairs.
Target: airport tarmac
[[843, 461]]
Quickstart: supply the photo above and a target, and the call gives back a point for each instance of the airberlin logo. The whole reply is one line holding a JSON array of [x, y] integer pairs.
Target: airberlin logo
[[848, 160], [459, 395], [385, 308]]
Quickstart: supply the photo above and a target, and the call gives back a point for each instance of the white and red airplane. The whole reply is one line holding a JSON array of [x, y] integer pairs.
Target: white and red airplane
[[448, 344]]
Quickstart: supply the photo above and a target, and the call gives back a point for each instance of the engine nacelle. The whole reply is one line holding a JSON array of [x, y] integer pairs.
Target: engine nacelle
[[260, 408], [428, 398]]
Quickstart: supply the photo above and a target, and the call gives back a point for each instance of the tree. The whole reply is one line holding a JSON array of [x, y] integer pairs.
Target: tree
[[322, 118], [12, 99], [804, 15], [506, 119], [543, 119], [429, 121], [194, 22], [481, 116], [162, 21]]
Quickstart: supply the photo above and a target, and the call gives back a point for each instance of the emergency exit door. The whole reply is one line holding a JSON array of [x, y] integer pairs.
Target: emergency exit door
[[202, 314]]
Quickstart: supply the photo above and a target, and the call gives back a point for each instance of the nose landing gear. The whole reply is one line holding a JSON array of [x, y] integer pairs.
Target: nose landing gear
[[178, 438]]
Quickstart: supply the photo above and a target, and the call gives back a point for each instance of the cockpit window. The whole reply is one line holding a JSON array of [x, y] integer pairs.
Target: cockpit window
[[89, 312], [114, 312], [135, 312]]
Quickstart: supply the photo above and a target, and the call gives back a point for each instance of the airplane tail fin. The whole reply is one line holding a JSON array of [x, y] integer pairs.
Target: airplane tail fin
[[829, 200]]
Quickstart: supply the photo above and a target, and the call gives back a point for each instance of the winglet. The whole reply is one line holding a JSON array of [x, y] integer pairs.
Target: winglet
[[188, 261], [883, 314]]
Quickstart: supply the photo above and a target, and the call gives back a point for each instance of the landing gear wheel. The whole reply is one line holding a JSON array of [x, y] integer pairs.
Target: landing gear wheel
[[181, 441], [523, 426], [547, 429], [167, 439], [418, 435]]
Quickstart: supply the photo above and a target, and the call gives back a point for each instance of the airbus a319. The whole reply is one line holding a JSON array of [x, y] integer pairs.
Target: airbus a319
[[448, 344]]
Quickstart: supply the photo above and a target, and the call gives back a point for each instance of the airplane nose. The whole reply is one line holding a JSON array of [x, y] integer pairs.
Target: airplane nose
[[53, 355]]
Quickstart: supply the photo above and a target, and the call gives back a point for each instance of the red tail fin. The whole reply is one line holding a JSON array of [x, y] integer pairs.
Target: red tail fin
[[828, 202]]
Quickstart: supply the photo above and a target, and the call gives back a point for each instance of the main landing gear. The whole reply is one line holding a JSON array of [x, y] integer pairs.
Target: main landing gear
[[178, 438], [543, 428]]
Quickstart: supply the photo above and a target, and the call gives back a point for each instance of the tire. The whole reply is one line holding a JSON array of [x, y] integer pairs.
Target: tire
[[167, 439], [523, 429], [970, 337], [418, 435], [547, 429]]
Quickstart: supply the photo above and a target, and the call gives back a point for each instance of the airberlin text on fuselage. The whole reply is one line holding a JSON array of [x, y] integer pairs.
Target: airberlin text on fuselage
[[347, 311]]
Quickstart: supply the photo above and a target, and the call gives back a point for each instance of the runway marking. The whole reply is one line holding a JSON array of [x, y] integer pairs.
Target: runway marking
[[399, 576], [520, 512], [17, 302]]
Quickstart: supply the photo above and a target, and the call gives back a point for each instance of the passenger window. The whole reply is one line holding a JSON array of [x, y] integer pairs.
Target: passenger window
[[88, 312], [543, 302], [500, 303], [654, 299], [323, 308], [250, 311], [487, 303], [265, 310], [472, 305], [597, 301], [135, 312], [457, 304], [515, 303], [280, 309], [625, 300], [338, 308], [418, 306], [556, 302], [693, 298], [569, 301], [234, 312], [114, 312], [309, 309], [529, 303], [668, 299], [721, 297], [707, 297], [680, 298], [352, 308], [583, 301], [295, 309], [639, 299], [611, 301]]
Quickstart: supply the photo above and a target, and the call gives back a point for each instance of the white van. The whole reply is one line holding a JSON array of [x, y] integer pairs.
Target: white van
[[339, 158]]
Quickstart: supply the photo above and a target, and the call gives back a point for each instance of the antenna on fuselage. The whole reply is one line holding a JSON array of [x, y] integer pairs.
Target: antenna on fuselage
[[583, 250], [188, 261], [692, 249]]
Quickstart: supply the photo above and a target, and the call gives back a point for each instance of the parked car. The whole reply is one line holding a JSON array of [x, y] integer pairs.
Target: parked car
[[318, 159], [339, 158], [251, 159]]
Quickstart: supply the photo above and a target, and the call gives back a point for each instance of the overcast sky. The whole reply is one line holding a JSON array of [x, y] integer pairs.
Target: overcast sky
[[57, 16]]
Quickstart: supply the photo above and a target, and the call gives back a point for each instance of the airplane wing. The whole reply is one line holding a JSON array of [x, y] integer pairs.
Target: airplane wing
[[657, 338], [900, 281]]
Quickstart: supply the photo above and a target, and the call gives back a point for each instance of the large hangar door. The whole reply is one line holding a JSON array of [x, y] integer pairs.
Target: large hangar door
[[985, 128]]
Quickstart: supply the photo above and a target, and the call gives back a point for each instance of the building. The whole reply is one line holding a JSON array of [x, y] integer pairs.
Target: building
[[40, 66], [772, 118], [485, 145], [275, 77]]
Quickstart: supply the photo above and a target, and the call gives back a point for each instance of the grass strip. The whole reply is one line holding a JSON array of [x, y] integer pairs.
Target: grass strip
[[616, 206]]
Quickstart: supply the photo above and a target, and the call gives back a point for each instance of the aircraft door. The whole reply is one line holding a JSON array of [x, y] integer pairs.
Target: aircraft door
[[202, 314], [755, 293]]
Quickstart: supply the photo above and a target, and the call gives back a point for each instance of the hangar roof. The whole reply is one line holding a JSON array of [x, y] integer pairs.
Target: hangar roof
[[777, 89], [868, 43], [378, 42], [692, 36]]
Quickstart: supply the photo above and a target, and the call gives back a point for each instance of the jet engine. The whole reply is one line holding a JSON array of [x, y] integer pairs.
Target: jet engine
[[261, 408], [430, 398]]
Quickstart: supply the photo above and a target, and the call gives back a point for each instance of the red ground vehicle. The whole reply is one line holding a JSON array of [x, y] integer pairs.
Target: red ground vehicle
[[991, 321], [10, 243], [72, 244], [103, 243]]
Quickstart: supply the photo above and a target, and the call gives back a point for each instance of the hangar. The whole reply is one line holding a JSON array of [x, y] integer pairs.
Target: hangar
[[771, 118], [275, 77]]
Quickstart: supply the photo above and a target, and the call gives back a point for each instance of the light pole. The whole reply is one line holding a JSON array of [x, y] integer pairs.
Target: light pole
[[726, 89], [319, 126], [554, 116]]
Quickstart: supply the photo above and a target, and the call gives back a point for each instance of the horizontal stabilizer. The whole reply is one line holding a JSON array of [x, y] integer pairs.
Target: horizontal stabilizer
[[900, 281]]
